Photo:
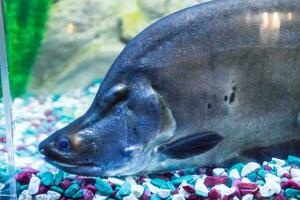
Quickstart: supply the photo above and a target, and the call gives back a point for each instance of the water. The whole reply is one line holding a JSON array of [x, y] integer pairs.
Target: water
[[7, 108]]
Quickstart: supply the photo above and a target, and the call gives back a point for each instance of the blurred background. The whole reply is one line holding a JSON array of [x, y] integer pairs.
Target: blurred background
[[58, 45]]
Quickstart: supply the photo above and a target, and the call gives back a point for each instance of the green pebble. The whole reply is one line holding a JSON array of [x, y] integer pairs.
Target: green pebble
[[3, 177], [24, 187], [262, 173], [191, 171], [201, 194], [46, 178], [289, 192], [229, 182], [171, 186], [59, 177], [252, 176], [103, 187], [158, 182], [169, 197], [57, 189], [78, 194], [260, 182], [178, 181], [238, 166], [125, 189], [155, 197], [294, 160], [72, 189]]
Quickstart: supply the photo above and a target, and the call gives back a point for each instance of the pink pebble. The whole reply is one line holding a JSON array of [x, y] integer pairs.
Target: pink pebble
[[29, 170], [225, 197], [24, 177], [279, 197], [194, 197], [43, 189], [267, 168], [146, 195], [2, 139], [214, 194], [247, 188], [65, 184], [88, 195], [287, 175], [180, 173], [168, 175], [290, 184], [189, 189], [211, 181], [92, 188], [88, 181], [201, 171], [47, 112]]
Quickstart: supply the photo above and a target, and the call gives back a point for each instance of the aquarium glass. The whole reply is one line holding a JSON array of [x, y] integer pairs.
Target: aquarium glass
[[54, 55]]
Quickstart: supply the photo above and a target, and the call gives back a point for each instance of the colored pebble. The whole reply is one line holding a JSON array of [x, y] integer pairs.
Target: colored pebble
[[103, 187], [33, 187], [290, 192], [88, 195], [125, 189], [211, 181], [72, 190], [158, 182], [294, 160], [57, 189], [59, 177], [78, 194], [46, 178]]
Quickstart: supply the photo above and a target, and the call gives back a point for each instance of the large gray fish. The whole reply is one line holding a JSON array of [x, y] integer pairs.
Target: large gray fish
[[210, 84]]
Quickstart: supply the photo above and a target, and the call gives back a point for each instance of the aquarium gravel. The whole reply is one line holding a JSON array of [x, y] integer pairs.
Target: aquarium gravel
[[37, 117]]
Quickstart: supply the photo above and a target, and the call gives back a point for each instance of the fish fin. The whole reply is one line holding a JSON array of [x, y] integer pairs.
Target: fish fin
[[190, 145], [113, 96]]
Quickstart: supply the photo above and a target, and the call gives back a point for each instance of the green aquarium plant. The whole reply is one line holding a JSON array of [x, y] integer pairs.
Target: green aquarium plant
[[25, 28]]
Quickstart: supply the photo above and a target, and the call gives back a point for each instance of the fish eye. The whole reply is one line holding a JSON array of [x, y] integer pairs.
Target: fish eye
[[63, 144]]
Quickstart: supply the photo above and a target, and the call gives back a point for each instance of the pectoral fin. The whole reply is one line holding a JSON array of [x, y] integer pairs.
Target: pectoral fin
[[191, 145]]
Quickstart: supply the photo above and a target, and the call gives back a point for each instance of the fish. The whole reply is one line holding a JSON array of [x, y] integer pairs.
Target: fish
[[209, 85]]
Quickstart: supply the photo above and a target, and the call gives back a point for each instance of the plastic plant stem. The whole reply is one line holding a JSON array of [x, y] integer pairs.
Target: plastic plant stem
[[7, 106]]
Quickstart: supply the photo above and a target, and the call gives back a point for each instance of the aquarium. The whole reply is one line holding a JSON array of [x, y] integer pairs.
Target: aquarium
[[161, 99]]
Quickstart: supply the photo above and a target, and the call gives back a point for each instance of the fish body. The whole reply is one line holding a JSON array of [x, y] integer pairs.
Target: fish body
[[210, 84]]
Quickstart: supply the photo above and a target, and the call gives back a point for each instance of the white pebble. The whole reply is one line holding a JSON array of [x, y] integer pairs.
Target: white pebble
[[184, 192], [281, 171], [130, 197], [269, 188], [245, 180], [295, 173], [249, 168], [34, 184], [279, 161], [42, 197], [25, 195], [218, 171], [224, 190], [248, 197], [163, 193], [199, 185], [99, 197], [137, 190], [272, 178], [131, 180], [234, 174], [116, 181], [151, 187], [53, 195], [235, 198], [178, 197]]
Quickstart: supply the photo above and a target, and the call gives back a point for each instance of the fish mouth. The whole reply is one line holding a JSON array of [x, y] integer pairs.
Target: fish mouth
[[85, 169]]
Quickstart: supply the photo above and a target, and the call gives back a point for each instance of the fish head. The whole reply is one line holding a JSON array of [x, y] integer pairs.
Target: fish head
[[112, 138]]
